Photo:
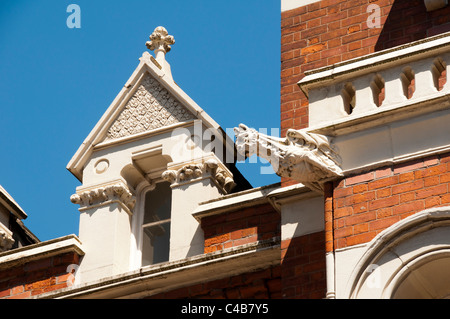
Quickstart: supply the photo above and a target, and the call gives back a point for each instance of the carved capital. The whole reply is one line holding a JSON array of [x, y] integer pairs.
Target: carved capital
[[303, 156], [209, 168], [6, 239], [103, 194], [160, 40]]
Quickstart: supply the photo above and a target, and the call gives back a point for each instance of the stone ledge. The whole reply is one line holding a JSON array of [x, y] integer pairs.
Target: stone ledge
[[369, 63], [20, 256], [164, 277]]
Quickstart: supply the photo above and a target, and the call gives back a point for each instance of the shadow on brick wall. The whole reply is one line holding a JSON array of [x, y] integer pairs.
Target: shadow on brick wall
[[408, 20]]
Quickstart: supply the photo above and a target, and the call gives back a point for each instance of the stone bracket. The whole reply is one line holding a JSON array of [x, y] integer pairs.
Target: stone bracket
[[103, 194]]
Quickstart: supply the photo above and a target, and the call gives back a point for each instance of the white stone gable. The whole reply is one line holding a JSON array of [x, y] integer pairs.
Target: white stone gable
[[151, 107]]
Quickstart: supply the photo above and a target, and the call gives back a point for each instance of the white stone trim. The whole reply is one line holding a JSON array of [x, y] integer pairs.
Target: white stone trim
[[8, 201], [232, 202], [287, 5], [273, 194], [44, 249], [397, 160], [371, 62], [136, 137]]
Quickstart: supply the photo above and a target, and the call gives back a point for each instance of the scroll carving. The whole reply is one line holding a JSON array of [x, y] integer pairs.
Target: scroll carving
[[103, 194], [193, 171]]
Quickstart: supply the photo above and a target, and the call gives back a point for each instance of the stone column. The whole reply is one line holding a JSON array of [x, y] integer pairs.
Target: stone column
[[193, 183], [105, 229]]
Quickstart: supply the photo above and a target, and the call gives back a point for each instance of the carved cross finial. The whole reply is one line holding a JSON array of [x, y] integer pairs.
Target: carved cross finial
[[160, 41]]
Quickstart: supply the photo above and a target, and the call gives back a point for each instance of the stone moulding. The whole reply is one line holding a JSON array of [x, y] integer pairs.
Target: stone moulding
[[105, 194], [194, 171], [305, 157]]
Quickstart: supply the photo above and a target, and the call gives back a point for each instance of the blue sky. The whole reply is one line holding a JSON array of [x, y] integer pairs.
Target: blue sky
[[56, 83]]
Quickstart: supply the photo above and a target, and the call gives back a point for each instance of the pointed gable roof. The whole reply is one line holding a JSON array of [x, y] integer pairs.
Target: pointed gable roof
[[150, 100]]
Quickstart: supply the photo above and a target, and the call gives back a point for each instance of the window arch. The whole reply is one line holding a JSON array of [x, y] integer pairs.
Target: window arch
[[414, 252], [425, 277]]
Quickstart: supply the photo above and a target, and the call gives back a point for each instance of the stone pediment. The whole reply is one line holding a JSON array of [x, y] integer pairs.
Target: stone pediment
[[149, 102], [151, 107]]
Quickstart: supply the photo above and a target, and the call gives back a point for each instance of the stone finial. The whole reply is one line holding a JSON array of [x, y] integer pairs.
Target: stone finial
[[160, 41]]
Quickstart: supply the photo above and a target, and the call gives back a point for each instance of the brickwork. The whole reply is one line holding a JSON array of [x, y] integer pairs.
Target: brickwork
[[263, 284], [303, 267], [366, 204], [302, 259], [37, 277], [240, 227]]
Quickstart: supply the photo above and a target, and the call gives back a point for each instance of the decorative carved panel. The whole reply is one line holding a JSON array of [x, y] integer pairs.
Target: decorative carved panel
[[151, 107]]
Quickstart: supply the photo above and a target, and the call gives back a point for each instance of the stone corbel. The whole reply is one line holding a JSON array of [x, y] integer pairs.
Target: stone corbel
[[6, 239], [209, 168], [303, 156], [100, 195]]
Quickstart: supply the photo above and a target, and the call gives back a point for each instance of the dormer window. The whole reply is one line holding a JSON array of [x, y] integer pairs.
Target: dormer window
[[139, 189], [156, 224]]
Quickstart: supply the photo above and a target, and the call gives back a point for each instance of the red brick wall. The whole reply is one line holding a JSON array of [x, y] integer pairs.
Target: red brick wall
[[366, 204], [302, 259], [263, 284], [37, 277], [240, 227], [303, 267], [232, 229]]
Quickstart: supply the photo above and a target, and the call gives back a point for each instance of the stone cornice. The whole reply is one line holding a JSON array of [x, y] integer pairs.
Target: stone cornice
[[375, 61], [104, 194], [211, 168]]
